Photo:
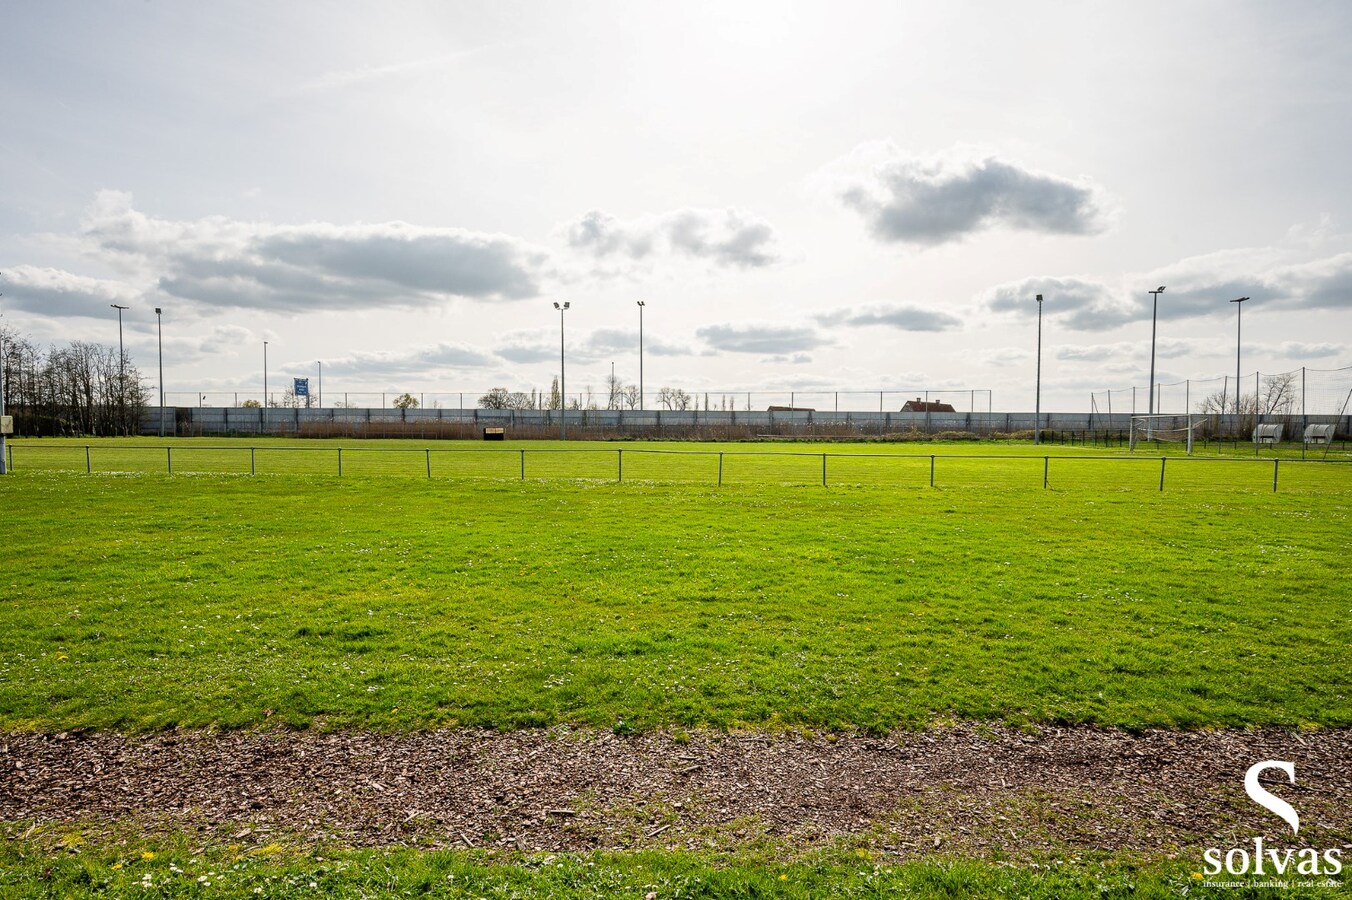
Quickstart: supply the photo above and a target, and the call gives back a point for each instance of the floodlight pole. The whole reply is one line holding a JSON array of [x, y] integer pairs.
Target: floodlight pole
[[563, 377], [641, 304], [320, 384], [159, 332], [1154, 316], [121, 367], [265, 375], [1239, 321], [1037, 402]]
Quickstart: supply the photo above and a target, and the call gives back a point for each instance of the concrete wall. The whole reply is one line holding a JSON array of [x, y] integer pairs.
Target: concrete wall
[[194, 421]]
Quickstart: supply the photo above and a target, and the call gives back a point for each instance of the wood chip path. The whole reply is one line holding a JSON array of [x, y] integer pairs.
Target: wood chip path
[[993, 792]]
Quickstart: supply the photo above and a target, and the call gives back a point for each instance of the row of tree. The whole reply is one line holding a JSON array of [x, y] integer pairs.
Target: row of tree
[[617, 396], [79, 389]]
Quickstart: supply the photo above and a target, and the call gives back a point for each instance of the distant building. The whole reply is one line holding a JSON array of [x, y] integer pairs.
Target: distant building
[[918, 405]]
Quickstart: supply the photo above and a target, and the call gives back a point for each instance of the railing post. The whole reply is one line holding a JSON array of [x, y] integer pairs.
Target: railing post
[[523, 464], [169, 458], [720, 467], [252, 468], [340, 462], [823, 470], [620, 456], [1274, 474], [89, 468], [1163, 460], [1046, 466], [931, 470], [428, 451]]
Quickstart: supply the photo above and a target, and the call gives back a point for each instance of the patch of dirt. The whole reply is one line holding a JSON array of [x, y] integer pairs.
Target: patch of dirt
[[974, 790]]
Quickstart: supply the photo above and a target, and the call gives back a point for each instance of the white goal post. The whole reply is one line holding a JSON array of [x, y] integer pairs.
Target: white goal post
[[1159, 428]]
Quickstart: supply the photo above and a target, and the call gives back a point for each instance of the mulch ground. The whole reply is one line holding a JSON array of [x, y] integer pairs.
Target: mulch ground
[[993, 792]]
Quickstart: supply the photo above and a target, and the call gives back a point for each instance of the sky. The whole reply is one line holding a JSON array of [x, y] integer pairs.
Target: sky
[[810, 197]]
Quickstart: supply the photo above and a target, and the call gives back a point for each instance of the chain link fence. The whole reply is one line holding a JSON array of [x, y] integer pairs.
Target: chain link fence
[[1292, 399], [961, 399]]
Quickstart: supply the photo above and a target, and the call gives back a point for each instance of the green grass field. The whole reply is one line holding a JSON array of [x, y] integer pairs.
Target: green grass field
[[140, 600], [150, 601], [231, 871]]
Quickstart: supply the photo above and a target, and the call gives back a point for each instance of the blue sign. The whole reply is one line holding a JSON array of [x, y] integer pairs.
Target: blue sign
[[302, 388]]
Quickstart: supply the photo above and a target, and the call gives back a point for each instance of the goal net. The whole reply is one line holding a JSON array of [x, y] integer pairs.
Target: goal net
[[1161, 429]]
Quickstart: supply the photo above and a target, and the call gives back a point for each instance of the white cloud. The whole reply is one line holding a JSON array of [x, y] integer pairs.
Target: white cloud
[[53, 292], [904, 318], [725, 237], [542, 345], [223, 338], [1194, 287], [217, 263], [765, 338], [1005, 357], [533, 346], [415, 361], [1302, 350], [937, 199], [1318, 284], [605, 342]]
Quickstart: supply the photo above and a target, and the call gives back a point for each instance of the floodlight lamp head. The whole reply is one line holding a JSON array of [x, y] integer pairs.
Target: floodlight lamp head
[[641, 303], [1240, 300], [157, 310], [1160, 289], [1039, 298]]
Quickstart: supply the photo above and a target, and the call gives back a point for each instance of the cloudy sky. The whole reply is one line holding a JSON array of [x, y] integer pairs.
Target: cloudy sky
[[826, 196]]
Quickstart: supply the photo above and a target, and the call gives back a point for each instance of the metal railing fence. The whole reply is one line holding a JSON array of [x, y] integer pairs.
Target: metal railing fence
[[712, 466]]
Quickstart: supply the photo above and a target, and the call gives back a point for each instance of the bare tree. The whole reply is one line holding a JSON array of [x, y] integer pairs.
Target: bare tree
[[1279, 395], [674, 398], [76, 389]]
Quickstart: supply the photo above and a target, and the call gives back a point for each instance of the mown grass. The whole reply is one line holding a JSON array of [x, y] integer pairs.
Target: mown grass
[[150, 868], [147, 601], [990, 464]]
